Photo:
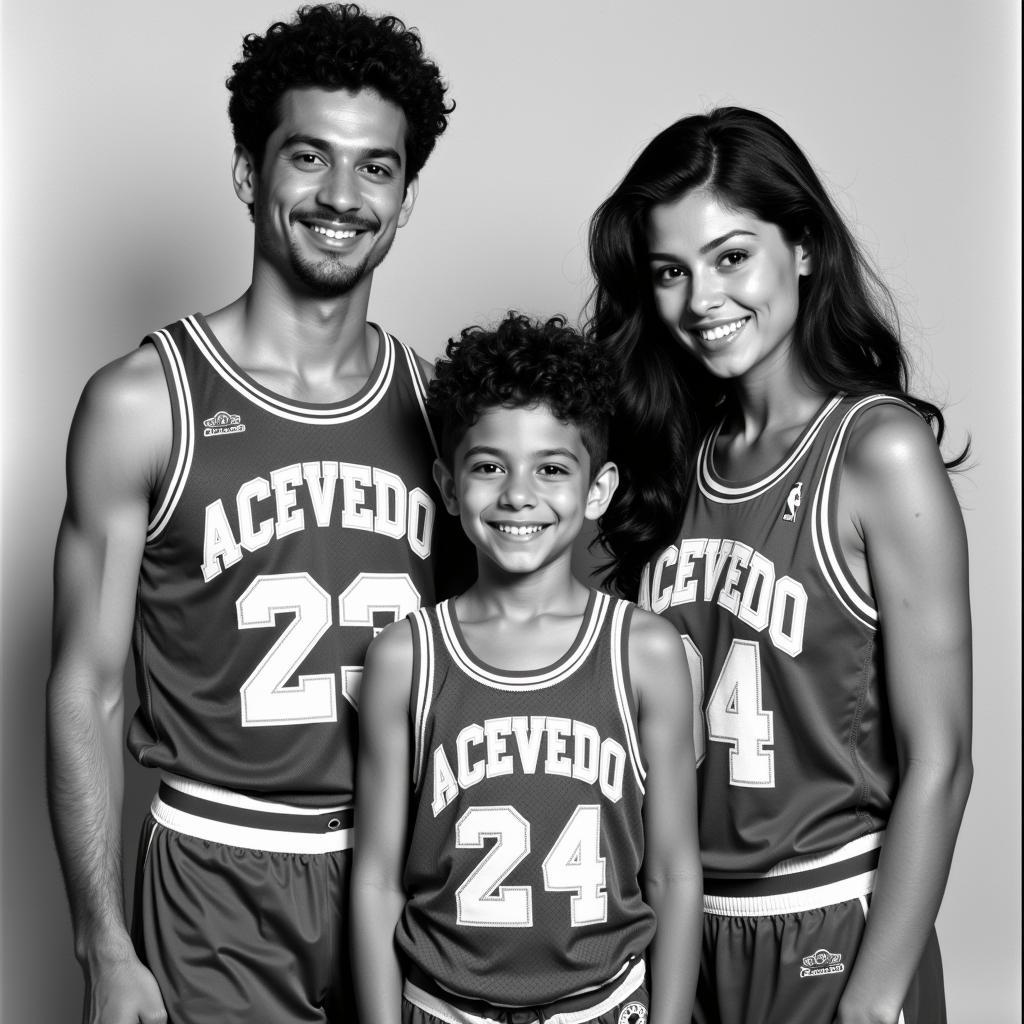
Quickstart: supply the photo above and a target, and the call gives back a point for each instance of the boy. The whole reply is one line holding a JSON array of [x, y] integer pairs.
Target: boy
[[526, 747]]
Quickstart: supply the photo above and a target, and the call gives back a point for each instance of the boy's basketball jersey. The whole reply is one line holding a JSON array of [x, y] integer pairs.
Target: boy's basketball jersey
[[527, 831], [283, 536], [797, 756]]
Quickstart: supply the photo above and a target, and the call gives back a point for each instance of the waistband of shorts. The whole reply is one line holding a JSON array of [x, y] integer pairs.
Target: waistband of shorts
[[793, 886], [232, 819], [575, 1009]]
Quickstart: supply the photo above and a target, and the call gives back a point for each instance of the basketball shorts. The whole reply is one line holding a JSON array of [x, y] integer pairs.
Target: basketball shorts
[[771, 956], [241, 908], [624, 1000]]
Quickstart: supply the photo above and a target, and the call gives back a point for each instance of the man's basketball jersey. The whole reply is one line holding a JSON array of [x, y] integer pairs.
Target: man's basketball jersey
[[797, 756], [282, 538], [527, 835]]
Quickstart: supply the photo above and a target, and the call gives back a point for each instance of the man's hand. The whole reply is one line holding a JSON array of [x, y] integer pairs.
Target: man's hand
[[123, 992]]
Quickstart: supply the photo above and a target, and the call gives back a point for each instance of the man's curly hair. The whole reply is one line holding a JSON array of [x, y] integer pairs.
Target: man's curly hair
[[520, 363], [338, 46]]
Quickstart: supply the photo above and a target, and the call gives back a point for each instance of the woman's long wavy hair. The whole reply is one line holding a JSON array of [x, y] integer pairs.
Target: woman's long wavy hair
[[846, 337]]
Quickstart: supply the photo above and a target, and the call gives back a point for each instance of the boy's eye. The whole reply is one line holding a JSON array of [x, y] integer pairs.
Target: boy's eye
[[485, 468], [552, 469]]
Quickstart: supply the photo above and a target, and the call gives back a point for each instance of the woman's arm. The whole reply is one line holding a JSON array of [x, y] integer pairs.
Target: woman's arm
[[908, 530], [673, 881], [383, 790]]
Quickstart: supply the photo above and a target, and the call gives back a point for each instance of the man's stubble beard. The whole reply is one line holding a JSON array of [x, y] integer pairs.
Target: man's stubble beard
[[330, 278]]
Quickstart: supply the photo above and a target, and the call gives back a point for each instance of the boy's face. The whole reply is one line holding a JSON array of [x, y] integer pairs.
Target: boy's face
[[521, 484]]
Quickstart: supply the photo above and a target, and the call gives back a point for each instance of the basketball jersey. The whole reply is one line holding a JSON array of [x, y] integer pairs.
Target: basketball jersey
[[527, 832], [794, 744], [283, 536]]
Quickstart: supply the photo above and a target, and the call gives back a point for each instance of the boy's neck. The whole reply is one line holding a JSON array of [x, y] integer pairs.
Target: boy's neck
[[524, 624], [515, 597]]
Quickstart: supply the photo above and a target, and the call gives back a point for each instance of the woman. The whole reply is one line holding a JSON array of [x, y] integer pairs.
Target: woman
[[819, 575]]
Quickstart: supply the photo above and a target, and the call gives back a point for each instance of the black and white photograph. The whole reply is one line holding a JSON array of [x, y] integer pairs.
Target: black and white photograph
[[510, 512]]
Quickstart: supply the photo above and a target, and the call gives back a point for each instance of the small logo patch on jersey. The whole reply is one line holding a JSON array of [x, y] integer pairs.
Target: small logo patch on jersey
[[633, 1013], [821, 962], [792, 503], [223, 423]]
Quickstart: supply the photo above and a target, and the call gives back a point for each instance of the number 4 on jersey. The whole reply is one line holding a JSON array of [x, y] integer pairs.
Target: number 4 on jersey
[[735, 713]]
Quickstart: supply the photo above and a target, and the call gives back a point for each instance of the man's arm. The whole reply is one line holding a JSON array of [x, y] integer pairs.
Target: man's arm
[[120, 437], [383, 791], [913, 534], [673, 881]]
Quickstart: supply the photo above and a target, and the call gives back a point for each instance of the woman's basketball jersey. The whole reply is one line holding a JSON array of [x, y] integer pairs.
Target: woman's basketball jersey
[[282, 538], [527, 832], [798, 757]]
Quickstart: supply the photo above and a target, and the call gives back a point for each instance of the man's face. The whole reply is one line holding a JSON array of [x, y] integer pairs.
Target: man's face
[[331, 191]]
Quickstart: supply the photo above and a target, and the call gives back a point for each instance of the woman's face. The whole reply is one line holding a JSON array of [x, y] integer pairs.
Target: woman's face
[[725, 283]]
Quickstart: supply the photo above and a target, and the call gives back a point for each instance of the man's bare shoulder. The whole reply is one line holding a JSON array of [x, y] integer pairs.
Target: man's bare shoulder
[[131, 384], [125, 411]]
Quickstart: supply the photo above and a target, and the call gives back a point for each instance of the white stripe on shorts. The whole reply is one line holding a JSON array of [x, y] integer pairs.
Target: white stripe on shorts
[[244, 836]]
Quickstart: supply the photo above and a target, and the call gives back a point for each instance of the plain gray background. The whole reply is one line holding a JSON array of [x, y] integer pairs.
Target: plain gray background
[[119, 217]]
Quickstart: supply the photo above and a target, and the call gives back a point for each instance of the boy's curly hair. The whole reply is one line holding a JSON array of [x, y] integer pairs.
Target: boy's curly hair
[[338, 46], [521, 363]]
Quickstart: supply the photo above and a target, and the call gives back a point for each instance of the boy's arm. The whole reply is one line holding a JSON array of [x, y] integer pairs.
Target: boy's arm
[[913, 533], [673, 881], [119, 442], [383, 792]]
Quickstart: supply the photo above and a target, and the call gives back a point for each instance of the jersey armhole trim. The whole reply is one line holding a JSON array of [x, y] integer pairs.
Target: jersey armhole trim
[[419, 387], [423, 687], [622, 615], [171, 486], [827, 550]]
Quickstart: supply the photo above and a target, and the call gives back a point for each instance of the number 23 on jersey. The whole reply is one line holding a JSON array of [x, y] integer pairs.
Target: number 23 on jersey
[[277, 692]]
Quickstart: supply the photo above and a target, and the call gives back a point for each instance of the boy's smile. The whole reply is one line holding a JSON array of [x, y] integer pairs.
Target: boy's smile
[[521, 485]]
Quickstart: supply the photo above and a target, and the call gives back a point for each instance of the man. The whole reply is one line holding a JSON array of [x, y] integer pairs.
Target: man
[[249, 502]]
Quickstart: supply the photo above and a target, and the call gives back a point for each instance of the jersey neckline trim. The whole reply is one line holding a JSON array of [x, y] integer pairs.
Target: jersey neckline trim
[[717, 488], [365, 399], [524, 679]]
